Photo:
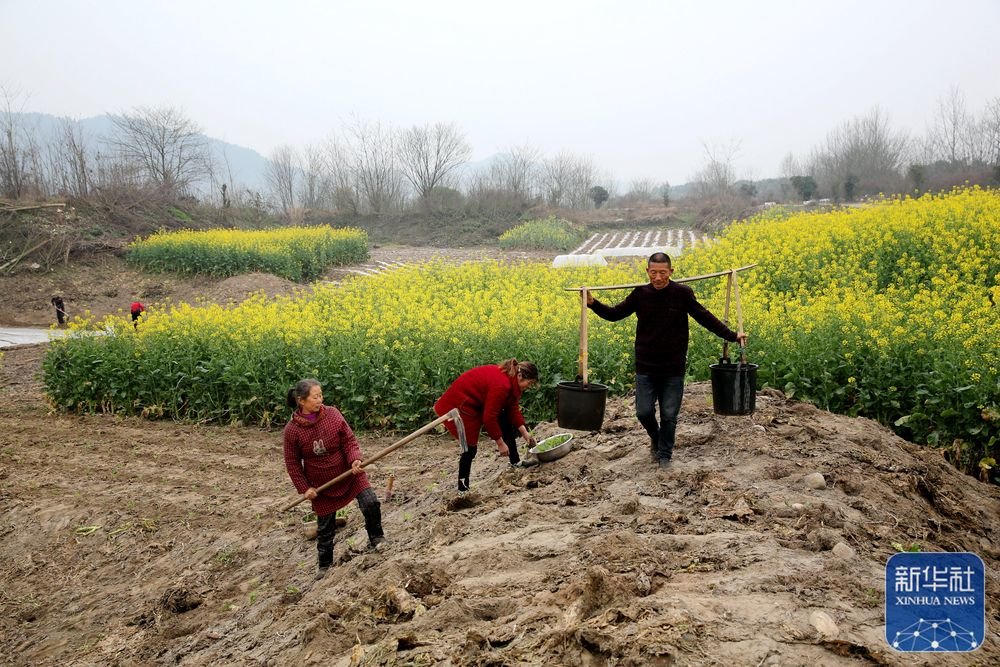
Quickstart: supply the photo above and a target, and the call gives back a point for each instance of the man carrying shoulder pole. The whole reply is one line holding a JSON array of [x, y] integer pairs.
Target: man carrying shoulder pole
[[661, 342]]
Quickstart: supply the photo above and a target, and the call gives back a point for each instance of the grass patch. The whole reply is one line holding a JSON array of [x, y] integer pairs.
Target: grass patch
[[552, 233]]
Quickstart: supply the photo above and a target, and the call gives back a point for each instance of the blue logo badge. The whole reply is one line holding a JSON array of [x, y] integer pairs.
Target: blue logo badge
[[935, 602]]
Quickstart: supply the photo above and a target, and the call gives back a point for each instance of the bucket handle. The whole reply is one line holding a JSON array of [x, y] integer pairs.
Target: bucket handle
[[739, 315], [733, 289], [743, 355]]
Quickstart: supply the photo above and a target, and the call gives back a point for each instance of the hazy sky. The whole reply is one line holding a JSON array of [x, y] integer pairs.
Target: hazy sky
[[639, 87]]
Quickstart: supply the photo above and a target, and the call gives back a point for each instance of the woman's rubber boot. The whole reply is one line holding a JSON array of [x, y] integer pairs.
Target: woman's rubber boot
[[326, 529], [373, 525]]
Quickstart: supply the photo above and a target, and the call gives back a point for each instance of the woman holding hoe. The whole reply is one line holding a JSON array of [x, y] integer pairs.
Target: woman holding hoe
[[488, 397], [319, 445]]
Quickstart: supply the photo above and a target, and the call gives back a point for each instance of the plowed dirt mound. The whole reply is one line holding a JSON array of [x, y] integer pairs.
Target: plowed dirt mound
[[239, 288], [133, 542]]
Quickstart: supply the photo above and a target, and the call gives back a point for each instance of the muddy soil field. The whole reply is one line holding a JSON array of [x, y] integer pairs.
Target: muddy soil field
[[132, 542]]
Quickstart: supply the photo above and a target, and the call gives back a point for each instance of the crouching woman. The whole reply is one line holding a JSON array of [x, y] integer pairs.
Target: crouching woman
[[319, 445], [488, 398]]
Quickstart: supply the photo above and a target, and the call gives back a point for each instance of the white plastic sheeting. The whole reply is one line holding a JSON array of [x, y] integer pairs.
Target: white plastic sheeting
[[10, 336], [578, 260], [638, 251]]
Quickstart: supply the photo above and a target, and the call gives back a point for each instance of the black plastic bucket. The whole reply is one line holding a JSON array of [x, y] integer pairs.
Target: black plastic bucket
[[734, 388], [581, 407]]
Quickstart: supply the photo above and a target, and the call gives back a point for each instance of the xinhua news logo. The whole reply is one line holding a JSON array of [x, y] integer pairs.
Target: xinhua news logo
[[935, 602]]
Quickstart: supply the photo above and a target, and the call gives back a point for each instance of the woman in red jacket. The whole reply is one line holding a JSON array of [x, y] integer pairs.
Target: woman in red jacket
[[319, 445], [136, 309], [487, 397]]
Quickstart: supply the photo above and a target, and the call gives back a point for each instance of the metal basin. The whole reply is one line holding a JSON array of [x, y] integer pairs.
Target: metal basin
[[556, 452]]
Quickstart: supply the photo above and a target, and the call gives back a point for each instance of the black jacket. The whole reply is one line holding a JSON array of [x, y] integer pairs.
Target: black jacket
[[661, 332]]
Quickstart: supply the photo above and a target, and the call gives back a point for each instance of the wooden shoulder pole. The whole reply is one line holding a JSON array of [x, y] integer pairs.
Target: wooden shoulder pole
[[725, 313], [583, 335], [674, 280], [739, 315]]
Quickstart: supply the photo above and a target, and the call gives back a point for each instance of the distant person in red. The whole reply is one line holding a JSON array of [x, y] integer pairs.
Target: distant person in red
[[57, 301], [488, 397], [137, 310], [319, 445]]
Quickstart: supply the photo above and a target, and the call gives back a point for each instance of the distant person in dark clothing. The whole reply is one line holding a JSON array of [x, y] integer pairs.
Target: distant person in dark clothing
[[661, 342], [137, 309], [57, 301]]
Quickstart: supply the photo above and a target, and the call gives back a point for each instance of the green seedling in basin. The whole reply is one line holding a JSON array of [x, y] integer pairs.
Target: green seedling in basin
[[552, 443]]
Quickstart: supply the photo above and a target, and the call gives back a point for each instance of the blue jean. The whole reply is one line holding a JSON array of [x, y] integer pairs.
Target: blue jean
[[668, 392]]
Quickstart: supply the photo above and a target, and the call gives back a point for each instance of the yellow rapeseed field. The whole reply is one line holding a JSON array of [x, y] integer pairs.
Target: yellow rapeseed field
[[296, 253], [886, 310]]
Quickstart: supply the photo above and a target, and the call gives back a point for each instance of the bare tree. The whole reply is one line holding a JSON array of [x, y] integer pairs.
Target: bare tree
[[281, 175], [486, 197], [952, 135], [38, 181], [610, 183], [428, 154], [991, 132], [114, 172], [516, 171], [566, 179], [582, 178], [14, 145], [337, 161], [70, 159], [663, 192], [862, 155], [555, 176], [314, 183], [790, 167], [641, 190], [717, 177], [228, 192], [373, 161], [167, 147]]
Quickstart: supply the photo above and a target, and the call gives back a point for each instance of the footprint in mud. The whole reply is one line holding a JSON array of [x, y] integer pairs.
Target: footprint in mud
[[179, 600], [463, 502]]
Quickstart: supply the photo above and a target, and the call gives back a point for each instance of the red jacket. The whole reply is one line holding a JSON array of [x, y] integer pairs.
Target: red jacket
[[317, 451], [480, 394]]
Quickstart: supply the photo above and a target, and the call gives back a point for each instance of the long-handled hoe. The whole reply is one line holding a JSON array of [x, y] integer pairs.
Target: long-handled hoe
[[451, 415]]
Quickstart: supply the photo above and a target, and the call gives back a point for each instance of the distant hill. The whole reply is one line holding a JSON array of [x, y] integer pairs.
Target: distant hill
[[244, 166]]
